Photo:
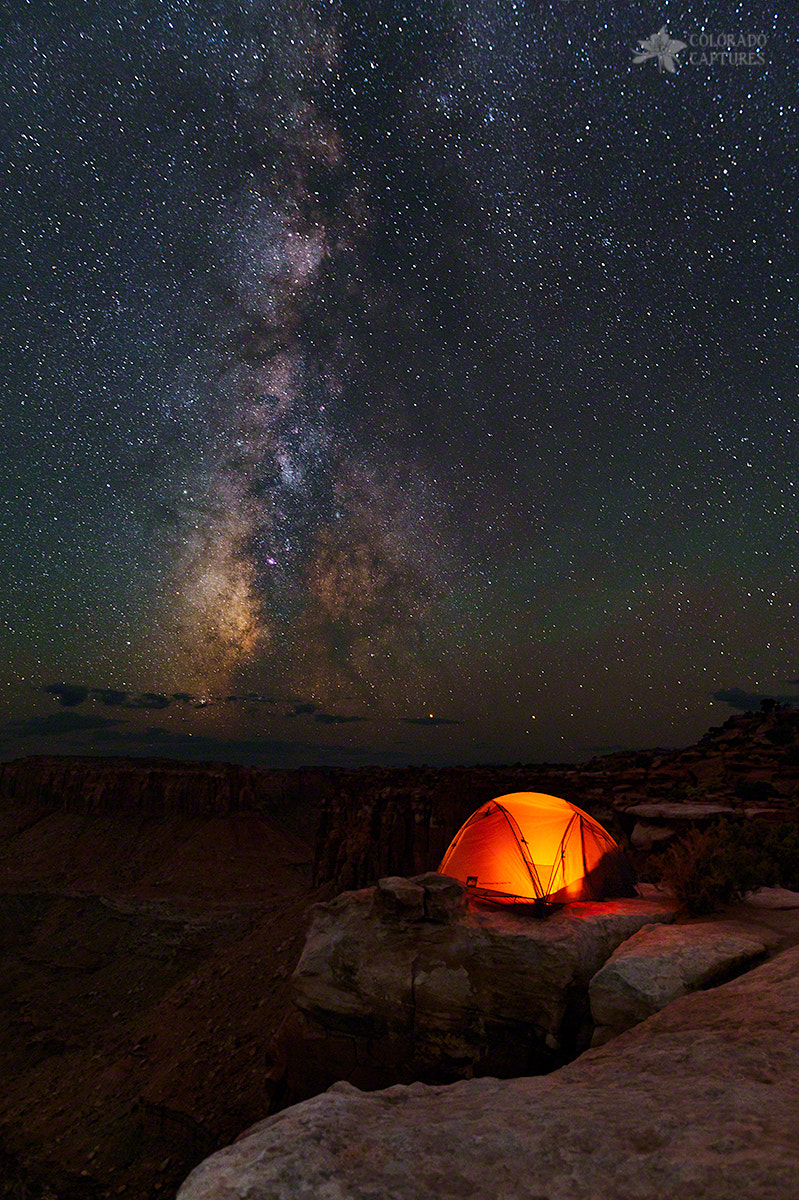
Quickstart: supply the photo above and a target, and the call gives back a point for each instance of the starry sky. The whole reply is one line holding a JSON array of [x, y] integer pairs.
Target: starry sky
[[396, 382]]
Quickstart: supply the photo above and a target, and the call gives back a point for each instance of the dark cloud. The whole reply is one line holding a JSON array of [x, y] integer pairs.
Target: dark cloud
[[67, 694], [149, 700], [333, 719], [429, 721], [749, 701], [58, 723], [70, 694], [110, 697]]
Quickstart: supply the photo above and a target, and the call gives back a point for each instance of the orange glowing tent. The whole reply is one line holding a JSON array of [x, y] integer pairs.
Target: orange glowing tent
[[529, 847]]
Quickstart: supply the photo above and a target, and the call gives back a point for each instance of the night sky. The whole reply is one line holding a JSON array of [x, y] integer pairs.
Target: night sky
[[396, 382]]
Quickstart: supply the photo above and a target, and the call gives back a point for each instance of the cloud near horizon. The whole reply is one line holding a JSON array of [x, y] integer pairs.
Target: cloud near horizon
[[70, 695], [55, 724], [95, 735], [109, 696], [429, 721], [67, 694], [270, 753], [334, 719], [751, 701]]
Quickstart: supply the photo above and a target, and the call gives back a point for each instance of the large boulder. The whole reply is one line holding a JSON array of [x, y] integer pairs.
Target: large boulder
[[658, 964], [408, 980], [657, 824], [773, 899], [701, 1100]]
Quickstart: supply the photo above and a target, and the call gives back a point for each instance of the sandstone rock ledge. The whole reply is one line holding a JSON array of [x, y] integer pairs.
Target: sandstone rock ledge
[[700, 1102], [660, 963], [410, 981]]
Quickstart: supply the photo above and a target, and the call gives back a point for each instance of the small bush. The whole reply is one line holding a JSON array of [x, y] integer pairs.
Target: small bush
[[780, 735], [718, 865]]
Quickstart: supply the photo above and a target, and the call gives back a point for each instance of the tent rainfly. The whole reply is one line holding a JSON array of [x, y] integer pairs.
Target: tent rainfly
[[528, 847]]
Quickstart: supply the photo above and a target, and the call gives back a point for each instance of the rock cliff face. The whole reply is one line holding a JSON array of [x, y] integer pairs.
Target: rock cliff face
[[144, 964], [400, 822], [700, 1100], [99, 784], [410, 981], [163, 788], [379, 822]]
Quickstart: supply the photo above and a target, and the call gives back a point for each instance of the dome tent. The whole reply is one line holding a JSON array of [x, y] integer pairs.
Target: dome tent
[[529, 847]]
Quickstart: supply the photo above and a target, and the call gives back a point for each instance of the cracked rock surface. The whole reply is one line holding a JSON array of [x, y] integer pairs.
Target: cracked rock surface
[[658, 964], [701, 1100], [408, 980]]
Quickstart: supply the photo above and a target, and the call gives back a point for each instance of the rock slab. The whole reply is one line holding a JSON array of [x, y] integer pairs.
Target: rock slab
[[701, 1100], [658, 964], [775, 898]]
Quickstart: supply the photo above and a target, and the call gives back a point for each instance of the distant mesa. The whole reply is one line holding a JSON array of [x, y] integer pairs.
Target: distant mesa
[[752, 701], [335, 719]]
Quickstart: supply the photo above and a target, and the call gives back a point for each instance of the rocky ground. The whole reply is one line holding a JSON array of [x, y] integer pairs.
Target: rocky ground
[[699, 1101], [417, 980], [151, 915]]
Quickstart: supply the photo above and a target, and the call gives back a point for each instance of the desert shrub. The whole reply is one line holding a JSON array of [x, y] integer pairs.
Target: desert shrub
[[754, 791], [703, 870], [777, 847], [780, 735], [720, 864], [686, 793]]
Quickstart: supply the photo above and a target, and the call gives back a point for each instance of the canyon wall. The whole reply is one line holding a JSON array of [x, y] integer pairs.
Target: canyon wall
[[161, 787], [371, 822]]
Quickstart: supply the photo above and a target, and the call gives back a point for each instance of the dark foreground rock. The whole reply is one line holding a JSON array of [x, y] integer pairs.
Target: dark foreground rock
[[701, 1100]]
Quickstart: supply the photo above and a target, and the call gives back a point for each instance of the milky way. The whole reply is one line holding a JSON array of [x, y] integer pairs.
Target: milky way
[[402, 382], [302, 533]]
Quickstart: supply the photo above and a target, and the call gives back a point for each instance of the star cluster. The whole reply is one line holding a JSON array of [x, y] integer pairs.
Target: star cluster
[[406, 382]]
